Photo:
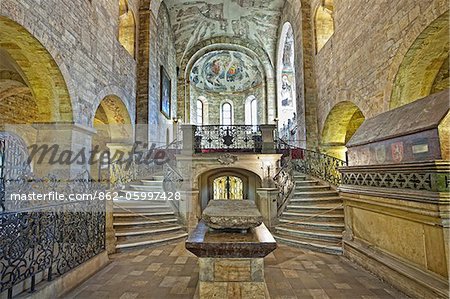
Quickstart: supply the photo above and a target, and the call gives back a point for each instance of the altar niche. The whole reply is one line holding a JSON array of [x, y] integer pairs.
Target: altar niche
[[227, 184]]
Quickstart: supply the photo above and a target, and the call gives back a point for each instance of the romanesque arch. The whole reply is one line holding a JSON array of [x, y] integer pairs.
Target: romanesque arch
[[341, 123], [425, 67], [323, 23], [30, 77], [127, 27], [232, 44]]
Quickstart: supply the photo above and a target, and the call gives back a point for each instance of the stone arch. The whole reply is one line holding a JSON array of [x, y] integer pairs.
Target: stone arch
[[234, 44], [252, 181], [39, 72], [112, 113], [341, 123], [408, 38], [127, 27], [323, 23], [425, 66], [116, 92]]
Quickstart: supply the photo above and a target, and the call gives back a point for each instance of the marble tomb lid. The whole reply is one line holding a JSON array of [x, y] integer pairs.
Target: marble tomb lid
[[232, 214], [418, 116]]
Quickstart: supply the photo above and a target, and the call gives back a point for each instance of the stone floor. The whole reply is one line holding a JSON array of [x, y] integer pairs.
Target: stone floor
[[171, 272]]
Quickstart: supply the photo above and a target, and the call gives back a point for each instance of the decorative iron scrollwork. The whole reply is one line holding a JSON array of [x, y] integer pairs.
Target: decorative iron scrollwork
[[228, 138]]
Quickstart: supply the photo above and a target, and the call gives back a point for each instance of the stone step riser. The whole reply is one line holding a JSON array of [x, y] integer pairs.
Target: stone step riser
[[310, 246], [313, 194], [332, 218], [319, 237], [125, 247], [315, 210], [310, 202], [161, 234], [324, 228], [143, 226]]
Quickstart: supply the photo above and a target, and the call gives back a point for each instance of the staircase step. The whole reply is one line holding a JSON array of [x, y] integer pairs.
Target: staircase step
[[318, 208], [143, 221], [315, 200], [151, 240], [318, 225], [316, 245], [140, 208], [309, 233], [300, 216], [123, 201], [307, 183], [129, 232], [312, 188], [146, 214], [146, 188], [309, 194], [151, 183]]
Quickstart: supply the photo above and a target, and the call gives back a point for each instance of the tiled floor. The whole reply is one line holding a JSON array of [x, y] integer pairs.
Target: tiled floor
[[171, 272]]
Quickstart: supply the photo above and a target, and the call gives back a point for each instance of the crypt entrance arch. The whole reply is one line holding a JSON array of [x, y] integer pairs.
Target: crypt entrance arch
[[235, 183]]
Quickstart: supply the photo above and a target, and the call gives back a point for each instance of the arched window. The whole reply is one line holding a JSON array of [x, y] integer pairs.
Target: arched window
[[286, 80], [254, 112], [251, 111], [200, 112], [324, 24], [127, 27], [227, 114]]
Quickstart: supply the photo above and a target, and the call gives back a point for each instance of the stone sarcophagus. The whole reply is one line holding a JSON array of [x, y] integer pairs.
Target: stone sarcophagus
[[396, 196], [415, 132]]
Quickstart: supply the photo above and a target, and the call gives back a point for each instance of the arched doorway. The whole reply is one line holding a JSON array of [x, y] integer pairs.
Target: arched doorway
[[425, 68], [112, 123], [340, 125], [228, 188]]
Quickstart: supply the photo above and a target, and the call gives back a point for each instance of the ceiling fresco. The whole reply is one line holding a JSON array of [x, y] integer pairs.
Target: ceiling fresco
[[225, 71], [196, 20]]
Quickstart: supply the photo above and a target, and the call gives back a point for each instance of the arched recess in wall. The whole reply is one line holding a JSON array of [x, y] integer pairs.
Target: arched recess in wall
[[324, 23], [29, 78], [251, 111], [340, 125], [127, 27], [114, 131], [202, 111], [205, 182], [286, 81], [425, 67]]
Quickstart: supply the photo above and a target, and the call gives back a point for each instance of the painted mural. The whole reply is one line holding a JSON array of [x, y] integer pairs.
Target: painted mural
[[225, 71], [196, 20], [287, 109]]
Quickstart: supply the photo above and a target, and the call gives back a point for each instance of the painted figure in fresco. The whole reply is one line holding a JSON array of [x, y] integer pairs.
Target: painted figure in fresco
[[286, 92]]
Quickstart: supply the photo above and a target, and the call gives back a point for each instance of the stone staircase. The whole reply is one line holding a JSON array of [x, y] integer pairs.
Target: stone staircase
[[314, 217], [145, 222]]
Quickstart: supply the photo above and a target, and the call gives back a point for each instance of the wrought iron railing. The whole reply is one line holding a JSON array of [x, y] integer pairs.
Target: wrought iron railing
[[314, 163], [284, 181], [217, 138], [319, 165], [173, 181], [48, 238]]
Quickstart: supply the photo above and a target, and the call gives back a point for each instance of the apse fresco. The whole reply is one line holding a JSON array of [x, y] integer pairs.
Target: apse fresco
[[225, 71], [195, 20]]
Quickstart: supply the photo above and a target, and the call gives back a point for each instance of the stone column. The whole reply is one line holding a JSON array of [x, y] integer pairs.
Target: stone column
[[268, 139], [188, 132], [266, 201], [189, 208]]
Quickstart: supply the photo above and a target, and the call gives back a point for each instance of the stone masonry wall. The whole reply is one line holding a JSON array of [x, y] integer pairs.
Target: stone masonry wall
[[360, 61], [81, 36]]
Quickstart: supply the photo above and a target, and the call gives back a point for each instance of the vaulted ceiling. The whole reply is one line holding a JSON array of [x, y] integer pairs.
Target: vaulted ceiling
[[194, 21]]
